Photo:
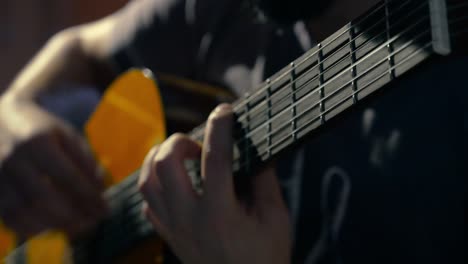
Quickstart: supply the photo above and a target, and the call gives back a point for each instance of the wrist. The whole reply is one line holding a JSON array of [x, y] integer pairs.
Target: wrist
[[12, 99]]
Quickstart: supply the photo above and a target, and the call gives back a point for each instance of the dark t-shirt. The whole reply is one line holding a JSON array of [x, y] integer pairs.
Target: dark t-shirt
[[385, 185]]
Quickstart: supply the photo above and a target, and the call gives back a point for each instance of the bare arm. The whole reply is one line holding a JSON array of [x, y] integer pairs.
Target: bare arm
[[77, 55], [48, 177]]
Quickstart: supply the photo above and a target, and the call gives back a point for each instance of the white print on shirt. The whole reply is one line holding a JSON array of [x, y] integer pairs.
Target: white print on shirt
[[383, 147], [332, 214]]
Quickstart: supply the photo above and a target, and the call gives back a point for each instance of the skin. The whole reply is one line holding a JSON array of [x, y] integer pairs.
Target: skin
[[48, 177], [214, 227]]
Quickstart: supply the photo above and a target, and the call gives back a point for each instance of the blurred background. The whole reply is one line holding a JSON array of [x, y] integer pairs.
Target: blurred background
[[25, 26]]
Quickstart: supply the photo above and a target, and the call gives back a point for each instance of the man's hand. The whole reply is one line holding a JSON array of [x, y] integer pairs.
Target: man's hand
[[48, 178], [214, 227]]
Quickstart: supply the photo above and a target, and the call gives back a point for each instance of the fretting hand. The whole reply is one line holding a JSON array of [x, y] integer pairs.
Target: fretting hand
[[214, 227]]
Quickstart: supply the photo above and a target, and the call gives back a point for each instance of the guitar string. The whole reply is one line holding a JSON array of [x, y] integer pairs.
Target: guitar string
[[344, 86], [322, 100], [318, 117], [264, 86], [332, 67], [289, 96], [329, 109], [257, 129], [263, 89], [200, 128]]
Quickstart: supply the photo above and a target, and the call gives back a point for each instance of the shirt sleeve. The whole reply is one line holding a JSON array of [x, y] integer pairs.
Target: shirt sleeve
[[164, 35]]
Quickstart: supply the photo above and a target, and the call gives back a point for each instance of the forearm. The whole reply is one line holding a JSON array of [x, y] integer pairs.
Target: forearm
[[73, 56]]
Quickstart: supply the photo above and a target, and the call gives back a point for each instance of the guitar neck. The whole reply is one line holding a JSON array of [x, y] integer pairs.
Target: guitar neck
[[335, 75]]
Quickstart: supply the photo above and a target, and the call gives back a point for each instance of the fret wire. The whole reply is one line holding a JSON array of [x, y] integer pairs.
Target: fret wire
[[358, 49], [321, 88], [239, 104], [268, 117], [391, 61], [352, 45], [344, 70], [246, 137], [293, 99]]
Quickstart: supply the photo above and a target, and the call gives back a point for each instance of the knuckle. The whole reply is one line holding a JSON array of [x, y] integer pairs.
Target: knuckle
[[178, 140], [177, 136], [144, 185], [148, 179], [162, 164], [221, 113]]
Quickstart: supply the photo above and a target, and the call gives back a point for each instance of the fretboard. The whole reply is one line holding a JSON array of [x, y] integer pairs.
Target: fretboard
[[335, 75]]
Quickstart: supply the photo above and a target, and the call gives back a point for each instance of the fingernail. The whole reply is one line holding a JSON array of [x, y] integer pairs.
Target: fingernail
[[221, 110]]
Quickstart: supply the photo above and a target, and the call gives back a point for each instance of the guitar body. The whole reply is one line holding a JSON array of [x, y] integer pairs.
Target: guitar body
[[130, 111]]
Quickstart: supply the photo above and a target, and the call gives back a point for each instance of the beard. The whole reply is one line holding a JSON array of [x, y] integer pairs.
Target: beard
[[287, 12]]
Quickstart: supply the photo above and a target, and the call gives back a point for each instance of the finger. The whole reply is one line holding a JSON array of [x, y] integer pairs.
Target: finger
[[14, 213], [80, 153], [170, 169], [68, 179], [267, 192], [22, 223], [146, 168], [217, 155], [151, 188], [155, 219], [45, 203]]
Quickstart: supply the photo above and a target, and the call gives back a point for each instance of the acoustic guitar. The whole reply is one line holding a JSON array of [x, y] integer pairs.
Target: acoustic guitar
[[394, 39]]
